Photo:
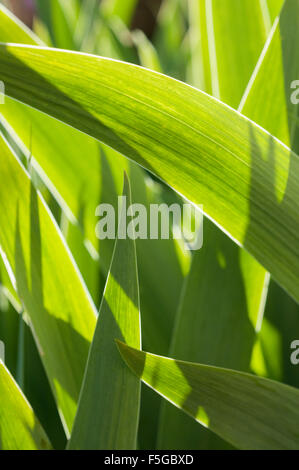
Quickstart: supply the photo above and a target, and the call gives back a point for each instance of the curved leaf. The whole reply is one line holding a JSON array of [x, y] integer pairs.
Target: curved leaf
[[248, 411], [200, 147]]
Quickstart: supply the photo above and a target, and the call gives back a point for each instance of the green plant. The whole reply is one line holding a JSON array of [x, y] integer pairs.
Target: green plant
[[73, 124]]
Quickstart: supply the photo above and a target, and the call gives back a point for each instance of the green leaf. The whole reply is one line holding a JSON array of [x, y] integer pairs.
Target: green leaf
[[48, 283], [108, 410], [63, 29], [19, 33], [203, 149], [268, 101], [248, 411], [227, 38], [88, 265], [215, 325], [19, 427], [38, 392]]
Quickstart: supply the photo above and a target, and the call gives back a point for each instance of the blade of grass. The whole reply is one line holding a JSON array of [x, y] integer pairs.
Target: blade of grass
[[80, 187]]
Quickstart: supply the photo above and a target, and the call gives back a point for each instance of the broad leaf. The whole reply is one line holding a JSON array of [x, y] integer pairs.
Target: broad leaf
[[201, 148], [248, 411]]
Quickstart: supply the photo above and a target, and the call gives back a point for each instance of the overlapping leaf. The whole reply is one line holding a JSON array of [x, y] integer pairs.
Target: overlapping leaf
[[273, 107], [108, 411], [80, 184], [48, 283], [217, 325], [248, 411], [223, 160]]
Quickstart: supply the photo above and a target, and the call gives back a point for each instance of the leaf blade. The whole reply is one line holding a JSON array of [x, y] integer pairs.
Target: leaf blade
[[48, 283], [248, 411], [19, 428], [108, 410]]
